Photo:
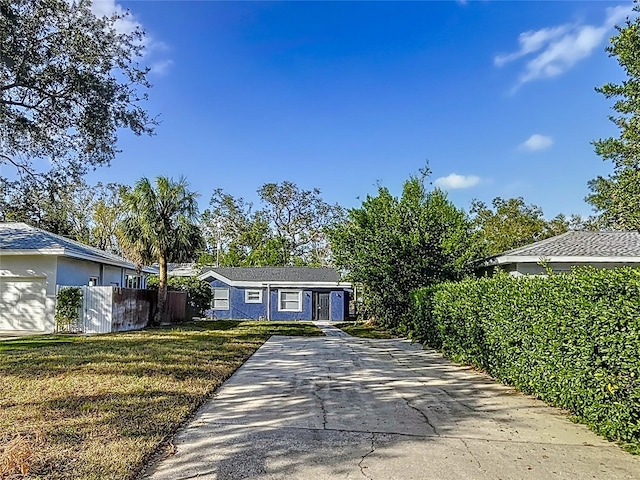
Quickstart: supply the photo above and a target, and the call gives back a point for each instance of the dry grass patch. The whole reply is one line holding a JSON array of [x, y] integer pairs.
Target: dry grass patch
[[97, 407]]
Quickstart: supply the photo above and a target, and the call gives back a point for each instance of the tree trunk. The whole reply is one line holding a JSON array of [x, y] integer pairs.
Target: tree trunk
[[162, 290]]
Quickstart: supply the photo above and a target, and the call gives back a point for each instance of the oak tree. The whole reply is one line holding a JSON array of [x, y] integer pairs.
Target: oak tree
[[69, 80]]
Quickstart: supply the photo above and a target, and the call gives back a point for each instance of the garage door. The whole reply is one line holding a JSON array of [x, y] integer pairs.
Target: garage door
[[22, 304]]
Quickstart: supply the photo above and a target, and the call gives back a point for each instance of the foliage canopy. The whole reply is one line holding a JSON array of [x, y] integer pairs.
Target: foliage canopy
[[288, 229], [393, 245], [511, 224], [68, 81], [617, 197]]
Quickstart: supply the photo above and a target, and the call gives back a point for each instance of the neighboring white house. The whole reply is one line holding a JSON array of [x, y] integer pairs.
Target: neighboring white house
[[570, 249], [33, 262]]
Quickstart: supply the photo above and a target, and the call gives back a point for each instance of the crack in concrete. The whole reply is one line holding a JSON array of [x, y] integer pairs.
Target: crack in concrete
[[464, 442], [322, 407], [373, 449], [424, 415], [420, 378], [198, 475]]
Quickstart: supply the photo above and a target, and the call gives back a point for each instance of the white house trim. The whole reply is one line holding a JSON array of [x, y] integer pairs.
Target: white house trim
[[252, 290], [297, 292], [259, 284], [81, 256], [558, 259]]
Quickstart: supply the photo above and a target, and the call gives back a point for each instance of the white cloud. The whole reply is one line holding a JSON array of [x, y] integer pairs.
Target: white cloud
[[455, 181], [530, 42], [129, 24], [554, 50], [106, 8], [161, 67], [537, 142]]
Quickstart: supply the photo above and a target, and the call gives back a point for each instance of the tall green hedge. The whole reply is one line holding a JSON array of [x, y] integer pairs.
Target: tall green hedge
[[572, 340]]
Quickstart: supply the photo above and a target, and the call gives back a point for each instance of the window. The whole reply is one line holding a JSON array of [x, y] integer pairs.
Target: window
[[221, 299], [133, 281], [93, 281], [253, 296], [290, 301]]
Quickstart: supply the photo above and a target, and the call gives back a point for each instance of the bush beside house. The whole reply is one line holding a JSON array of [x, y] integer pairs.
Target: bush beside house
[[68, 316], [572, 340], [199, 294]]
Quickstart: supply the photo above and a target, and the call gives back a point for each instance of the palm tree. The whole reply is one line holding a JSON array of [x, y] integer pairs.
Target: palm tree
[[160, 226]]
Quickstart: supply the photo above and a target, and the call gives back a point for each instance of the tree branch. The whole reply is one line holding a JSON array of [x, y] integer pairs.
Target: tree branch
[[21, 167]]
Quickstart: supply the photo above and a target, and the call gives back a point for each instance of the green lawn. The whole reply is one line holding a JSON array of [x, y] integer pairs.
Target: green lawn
[[98, 407], [364, 330]]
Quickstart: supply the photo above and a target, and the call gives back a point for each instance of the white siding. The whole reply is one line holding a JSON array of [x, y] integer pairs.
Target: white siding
[[39, 273], [23, 304]]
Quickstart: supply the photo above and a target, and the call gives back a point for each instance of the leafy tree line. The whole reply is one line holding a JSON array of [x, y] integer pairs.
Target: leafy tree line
[[391, 246], [288, 228], [87, 213], [291, 228], [511, 223]]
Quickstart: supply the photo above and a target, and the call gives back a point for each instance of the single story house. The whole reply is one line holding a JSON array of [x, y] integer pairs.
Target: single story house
[[571, 249], [278, 293], [33, 262]]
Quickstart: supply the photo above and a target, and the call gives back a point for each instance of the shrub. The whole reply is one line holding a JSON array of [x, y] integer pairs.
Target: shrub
[[68, 305], [199, 292], [572, 340]]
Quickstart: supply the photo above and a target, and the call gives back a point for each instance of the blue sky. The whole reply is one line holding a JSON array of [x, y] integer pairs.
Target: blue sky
[[498, 97]]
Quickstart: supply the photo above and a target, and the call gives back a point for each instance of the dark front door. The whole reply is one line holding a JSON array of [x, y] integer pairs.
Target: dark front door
[[320, 306]]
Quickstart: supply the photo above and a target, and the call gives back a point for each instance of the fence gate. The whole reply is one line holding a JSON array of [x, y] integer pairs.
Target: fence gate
[[97, 309]]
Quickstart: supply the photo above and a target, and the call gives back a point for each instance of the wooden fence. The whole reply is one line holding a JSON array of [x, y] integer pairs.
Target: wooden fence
[[108, 309]]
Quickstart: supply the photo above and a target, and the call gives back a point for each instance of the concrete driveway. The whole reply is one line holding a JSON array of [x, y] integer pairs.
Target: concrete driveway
[[339, 407]]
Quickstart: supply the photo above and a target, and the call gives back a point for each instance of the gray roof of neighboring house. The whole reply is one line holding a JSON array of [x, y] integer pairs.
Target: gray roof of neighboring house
[[615, 244], [181, 269], [22, 237], [277, 274]]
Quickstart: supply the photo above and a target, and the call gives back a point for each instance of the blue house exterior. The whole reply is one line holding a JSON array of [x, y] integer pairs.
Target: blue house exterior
[[278, 293]]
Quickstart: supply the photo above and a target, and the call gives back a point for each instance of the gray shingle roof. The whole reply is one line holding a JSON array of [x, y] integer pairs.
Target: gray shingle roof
[[277, 274], [20, 236], [582, 244]]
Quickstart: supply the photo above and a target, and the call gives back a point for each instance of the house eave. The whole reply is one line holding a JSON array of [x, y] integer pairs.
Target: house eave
[[34, 251], [62, 252], [272, 284], [512, 259]]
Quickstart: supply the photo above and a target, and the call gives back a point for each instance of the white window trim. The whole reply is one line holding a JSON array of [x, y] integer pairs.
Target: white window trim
[[280, 309], [133, 281], [93, 281], [248, 300], [228, 299]]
